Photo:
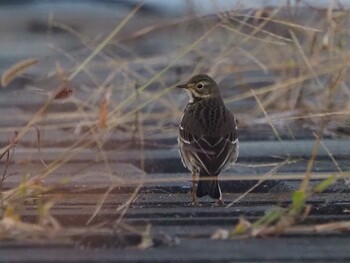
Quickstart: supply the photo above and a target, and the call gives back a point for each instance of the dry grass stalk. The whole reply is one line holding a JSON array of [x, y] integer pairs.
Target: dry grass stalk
[[102, 120], [261, 180], [103, 111], [16, 70], [9, 155]]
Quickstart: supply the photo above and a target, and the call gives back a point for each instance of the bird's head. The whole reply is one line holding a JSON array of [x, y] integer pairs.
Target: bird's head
[[201, 86]]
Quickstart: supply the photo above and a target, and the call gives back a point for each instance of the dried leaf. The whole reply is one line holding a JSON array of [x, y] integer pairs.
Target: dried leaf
[[44, 209], [16, 70], [65, 91], [325, 41], [10, 228], [343, 226], [260, 230], [146, 241], [220, 234], [242, 226], [11, 213]]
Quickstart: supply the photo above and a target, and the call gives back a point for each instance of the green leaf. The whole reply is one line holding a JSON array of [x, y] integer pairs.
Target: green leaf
[[298, 201], [319, 188], [270, 217]]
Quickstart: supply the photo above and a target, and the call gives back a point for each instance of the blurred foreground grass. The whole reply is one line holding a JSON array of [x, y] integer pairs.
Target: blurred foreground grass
[[286, 68]]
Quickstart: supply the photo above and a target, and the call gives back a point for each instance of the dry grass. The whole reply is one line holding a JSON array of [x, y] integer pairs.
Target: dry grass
[[306, 64]]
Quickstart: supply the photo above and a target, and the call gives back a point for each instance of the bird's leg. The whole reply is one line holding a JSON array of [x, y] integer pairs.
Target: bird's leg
[[193, 193]]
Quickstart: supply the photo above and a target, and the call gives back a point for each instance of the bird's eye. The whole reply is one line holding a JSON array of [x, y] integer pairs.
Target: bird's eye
[[199, 85]]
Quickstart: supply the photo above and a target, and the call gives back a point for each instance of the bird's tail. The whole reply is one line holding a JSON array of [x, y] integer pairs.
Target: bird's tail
[[209, 187]]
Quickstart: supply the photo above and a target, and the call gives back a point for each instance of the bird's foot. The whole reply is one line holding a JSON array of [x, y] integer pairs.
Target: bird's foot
[[219, 202], [195, 204], [194, 201]]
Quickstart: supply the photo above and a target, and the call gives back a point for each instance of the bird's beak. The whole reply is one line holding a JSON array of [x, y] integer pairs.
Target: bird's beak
[[183, 86]]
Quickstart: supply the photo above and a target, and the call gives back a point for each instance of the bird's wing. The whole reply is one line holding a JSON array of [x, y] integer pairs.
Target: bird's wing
[[211, 153]]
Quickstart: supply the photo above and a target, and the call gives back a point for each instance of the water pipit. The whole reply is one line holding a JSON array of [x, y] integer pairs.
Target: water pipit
[[207, 136]]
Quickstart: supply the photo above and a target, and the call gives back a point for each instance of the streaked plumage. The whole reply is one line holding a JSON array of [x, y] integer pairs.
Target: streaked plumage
[[207, 135]]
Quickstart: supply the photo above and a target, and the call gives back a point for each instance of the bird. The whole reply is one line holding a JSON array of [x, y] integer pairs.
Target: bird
[[207, 138]]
